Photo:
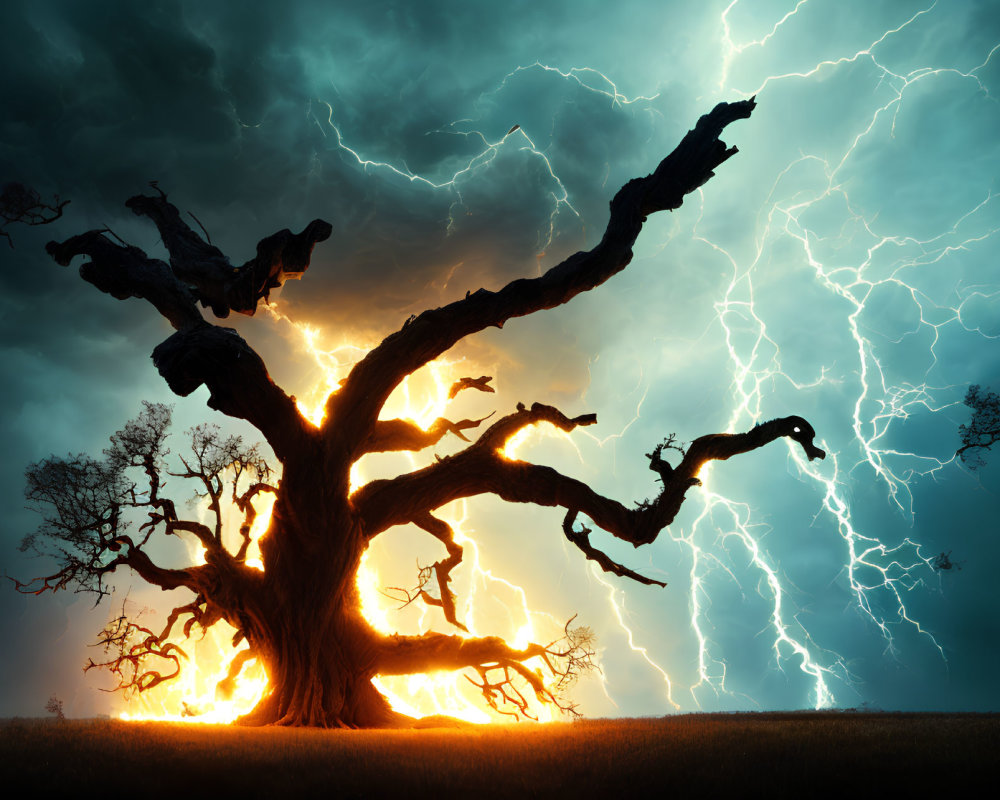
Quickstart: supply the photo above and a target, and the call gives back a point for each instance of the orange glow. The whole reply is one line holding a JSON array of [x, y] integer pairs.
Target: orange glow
[[533, 434], [193, 695], [485, 603]]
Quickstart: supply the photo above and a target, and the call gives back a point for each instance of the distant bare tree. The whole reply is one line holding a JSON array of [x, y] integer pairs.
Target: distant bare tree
[[983, 430], [18, 203], [55, 707]]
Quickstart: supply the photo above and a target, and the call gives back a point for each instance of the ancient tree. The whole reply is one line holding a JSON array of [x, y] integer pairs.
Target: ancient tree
[[300, 616]]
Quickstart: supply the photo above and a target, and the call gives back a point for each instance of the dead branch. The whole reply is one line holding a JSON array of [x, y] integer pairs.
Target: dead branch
[[87, 504], [499, 666], [400, 434], [131, 648], [23, 205], [237, 380], [443, 532], [481, 469], [201, 353], [124, 271], [216, 283], [481, 383], [581, 538], [353, 411]]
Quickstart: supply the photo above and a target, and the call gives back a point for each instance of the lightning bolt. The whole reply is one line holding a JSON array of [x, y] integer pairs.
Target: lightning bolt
[[879, 575], [855, 265], [480, 161]]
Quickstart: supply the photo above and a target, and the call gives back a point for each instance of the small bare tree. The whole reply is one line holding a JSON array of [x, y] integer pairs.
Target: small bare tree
[[55, 707]]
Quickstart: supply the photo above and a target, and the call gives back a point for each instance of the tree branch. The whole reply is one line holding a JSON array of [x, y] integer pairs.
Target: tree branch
[[403, 655], [722, 446], [499, 665], [477, 469], [194, 578], [86, 506], [216, 283], [400, 434], [191, 577], [581, 538], [131, 647], [442, 531], [481, 469], [353, 411], [237, 381], [245, 503], [125, 271], [21, 204], [201, 353]]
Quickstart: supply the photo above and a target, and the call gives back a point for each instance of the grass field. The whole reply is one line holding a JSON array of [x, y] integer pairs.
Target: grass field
[[748, 755]]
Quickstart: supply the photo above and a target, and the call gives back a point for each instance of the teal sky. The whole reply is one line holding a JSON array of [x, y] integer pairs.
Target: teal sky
[[844, 267]]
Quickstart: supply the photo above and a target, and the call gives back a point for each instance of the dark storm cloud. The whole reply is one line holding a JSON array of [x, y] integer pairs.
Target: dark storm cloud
[[258, 116]]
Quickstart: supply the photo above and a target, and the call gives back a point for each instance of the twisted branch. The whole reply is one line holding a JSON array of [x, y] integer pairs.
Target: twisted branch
[[400, 434], [481, 468], [131, 647], [353, 411], [21, 204], [498, 665], [201, 353], [213, 279]]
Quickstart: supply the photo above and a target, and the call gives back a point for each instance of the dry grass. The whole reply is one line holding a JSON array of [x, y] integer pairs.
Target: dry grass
[[748, 754]]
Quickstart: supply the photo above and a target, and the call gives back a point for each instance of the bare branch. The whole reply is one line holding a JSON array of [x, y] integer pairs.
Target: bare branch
[[352, 412], [204, 534], [86, 505], [443, 532], [216, 283], [244, 502], [194, 608], [498, 665], [400, 434], [200, 353], [130, 648], [124, 271], [481, 469], [237, 381], [722, 446], [481, 383], [581, 538], [213, 457], [477, 469], [23, 205]]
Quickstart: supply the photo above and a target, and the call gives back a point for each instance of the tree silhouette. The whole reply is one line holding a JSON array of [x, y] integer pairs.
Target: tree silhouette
[[55, 707], [301, 615], [19, 203], [983, 430]]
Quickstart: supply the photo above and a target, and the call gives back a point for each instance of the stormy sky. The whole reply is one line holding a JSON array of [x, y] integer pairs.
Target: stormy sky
[[844, 267]]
